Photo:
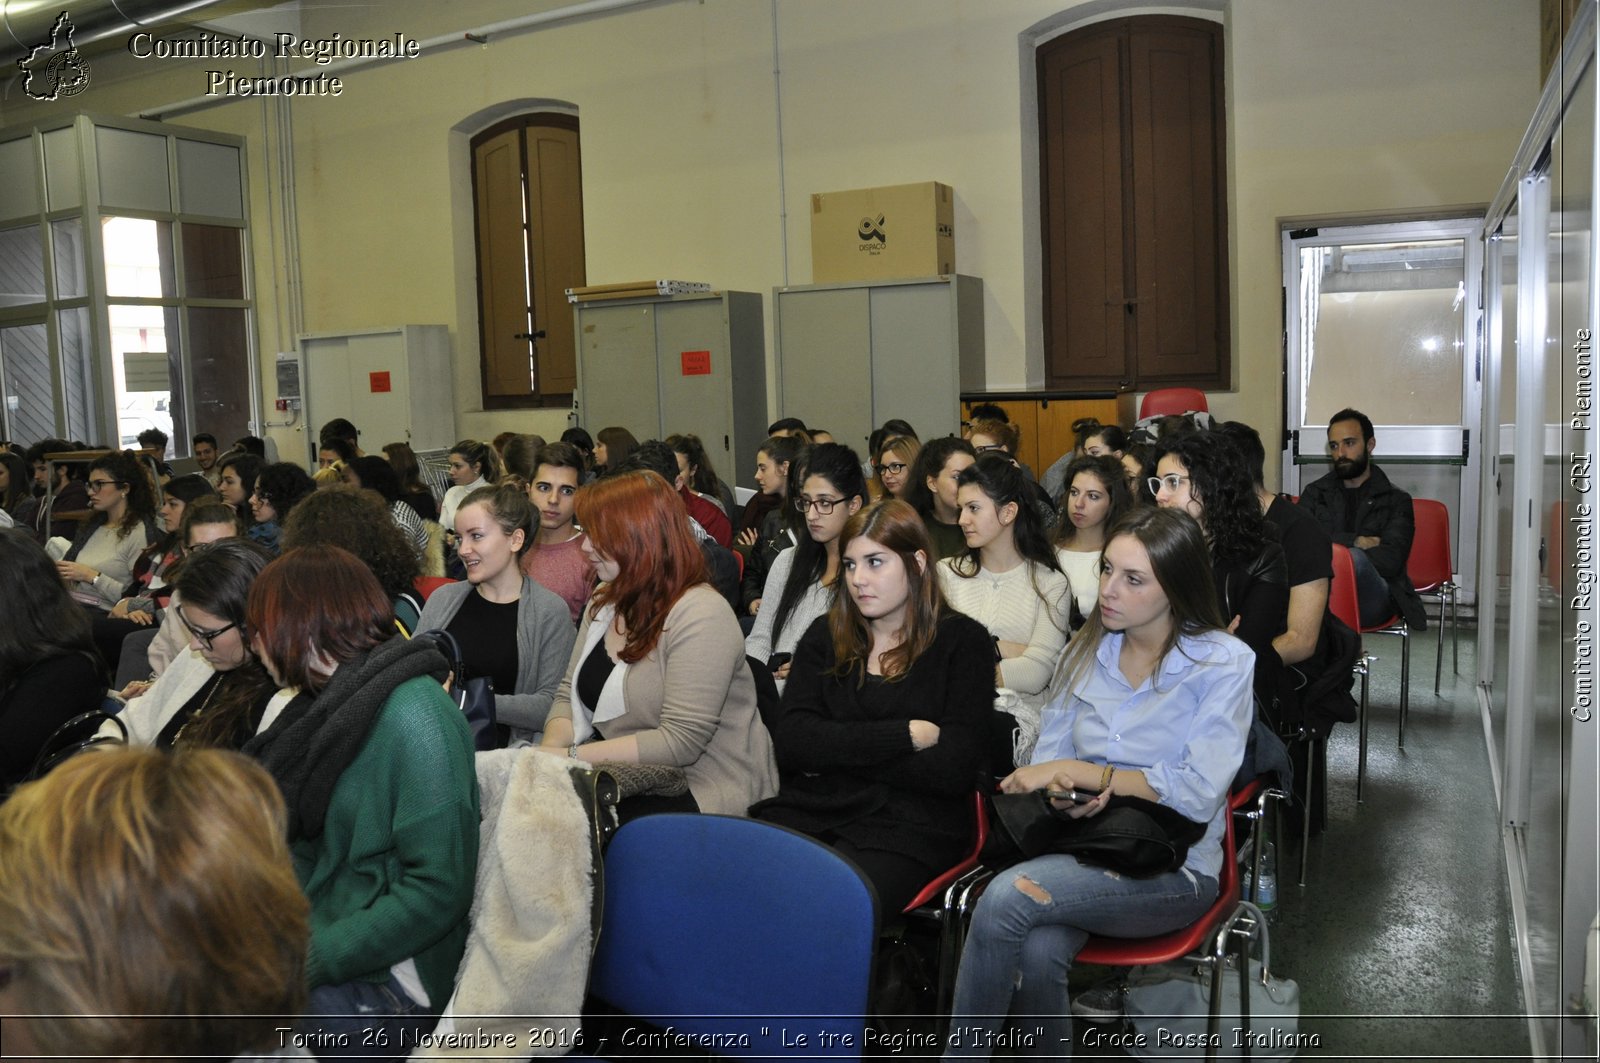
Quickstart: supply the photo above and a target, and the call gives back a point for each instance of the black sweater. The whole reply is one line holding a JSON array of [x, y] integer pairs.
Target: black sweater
[[846, 763]]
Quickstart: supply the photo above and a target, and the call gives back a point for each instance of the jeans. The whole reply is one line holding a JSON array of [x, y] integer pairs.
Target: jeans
[[1372, 590], [1030, 923], [366, 1020]]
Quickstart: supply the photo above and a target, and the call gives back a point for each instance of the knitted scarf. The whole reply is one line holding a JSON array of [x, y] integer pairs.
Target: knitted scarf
[[314, 739]]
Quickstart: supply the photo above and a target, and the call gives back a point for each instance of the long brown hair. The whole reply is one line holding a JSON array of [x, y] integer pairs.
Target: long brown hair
[[894, 525], [637, 520]]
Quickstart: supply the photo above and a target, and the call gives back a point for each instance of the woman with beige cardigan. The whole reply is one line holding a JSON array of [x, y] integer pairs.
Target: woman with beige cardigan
[[658, 674]]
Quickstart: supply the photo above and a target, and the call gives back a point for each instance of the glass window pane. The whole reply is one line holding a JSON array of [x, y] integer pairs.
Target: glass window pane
[[145, 365], [78, 374], [133, 169], [21, 266], [19, 194], [62, 181], [208, 180], [30, 413], [138, 258], [219, 358], [213, 261], [67, 235]]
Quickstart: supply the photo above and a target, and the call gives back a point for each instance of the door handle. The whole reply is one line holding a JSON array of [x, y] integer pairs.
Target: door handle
[[530, 336]]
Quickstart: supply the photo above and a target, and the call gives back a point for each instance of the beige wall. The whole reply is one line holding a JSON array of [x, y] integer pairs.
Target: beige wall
[[1336, 108]]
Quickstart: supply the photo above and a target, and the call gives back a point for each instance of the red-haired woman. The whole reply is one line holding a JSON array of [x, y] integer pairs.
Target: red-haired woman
[[887, 713], [375, 764], [658, 675]]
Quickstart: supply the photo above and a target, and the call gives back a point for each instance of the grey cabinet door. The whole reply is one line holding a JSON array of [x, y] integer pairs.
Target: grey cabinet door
[[694, 370], [826, 362], [617, 368], [914, 358]]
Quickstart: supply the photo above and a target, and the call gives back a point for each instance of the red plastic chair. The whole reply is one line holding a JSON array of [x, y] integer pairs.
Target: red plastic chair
[[426, 585], [1165, 401], [1432, 570], [948, 914], [1342, 602]]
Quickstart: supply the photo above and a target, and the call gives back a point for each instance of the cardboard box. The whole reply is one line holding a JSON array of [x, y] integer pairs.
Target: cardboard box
[[883, 233]]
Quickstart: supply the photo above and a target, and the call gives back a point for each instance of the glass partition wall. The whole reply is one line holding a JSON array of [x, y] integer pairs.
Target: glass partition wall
[[1538, 617], [125, 299]]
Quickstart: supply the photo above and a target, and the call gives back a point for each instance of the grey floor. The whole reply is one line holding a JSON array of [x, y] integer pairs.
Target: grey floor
[[1401, 940]]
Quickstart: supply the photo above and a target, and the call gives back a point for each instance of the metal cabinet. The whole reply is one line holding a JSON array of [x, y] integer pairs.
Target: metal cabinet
[[677, 364], [393, 383], [851, 356]]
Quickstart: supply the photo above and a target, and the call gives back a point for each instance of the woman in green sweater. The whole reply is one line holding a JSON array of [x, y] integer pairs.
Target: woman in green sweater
[[375, 764]]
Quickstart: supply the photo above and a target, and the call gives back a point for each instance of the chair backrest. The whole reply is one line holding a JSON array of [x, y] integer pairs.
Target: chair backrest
[[980, 835], [1164, 401], [426, 585], [1342, 600], [717, 925], [1429, 563]]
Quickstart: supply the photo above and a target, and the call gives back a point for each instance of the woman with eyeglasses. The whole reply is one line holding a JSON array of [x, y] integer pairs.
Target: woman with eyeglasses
[[804, 579], [217, 693], [279, 487], [1203, 474], [1008, 580], [892, 463], [100, 563], [1096, 497]]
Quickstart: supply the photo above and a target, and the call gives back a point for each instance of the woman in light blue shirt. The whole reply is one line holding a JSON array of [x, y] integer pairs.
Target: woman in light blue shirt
[[1152, 699]]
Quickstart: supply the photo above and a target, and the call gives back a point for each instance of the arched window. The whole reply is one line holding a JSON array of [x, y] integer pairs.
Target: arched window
[[1133, 205], [528, 204]]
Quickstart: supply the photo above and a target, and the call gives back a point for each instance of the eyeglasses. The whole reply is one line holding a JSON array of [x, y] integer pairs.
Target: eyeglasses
[[1171, 481], [985, 448], [823, 506], [206, 637], [95, 486], [895, 467]]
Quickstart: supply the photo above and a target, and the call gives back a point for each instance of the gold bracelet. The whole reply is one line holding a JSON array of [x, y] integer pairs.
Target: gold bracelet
[[1105, 777]]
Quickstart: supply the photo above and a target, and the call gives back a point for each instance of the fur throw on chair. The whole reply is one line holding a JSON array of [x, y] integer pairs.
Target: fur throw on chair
[[528, 952]]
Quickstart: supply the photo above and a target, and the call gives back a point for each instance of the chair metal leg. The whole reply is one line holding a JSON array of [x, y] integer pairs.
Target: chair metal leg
[[1305, 818], [1455, 634], [1405, 682], [1438, 662], [1363, 665]]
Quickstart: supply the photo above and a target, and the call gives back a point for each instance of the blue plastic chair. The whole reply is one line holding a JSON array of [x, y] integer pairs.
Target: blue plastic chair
[[738, 930]]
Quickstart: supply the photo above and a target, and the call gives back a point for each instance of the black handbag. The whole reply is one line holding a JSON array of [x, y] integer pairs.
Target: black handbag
[[1131, 836], [73, 737], [473, 695]]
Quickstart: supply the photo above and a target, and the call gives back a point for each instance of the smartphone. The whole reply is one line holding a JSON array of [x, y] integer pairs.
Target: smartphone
[[1077, 797], [778, 660]]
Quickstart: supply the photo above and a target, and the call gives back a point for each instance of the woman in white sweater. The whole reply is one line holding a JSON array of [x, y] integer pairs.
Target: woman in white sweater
[[1007, 579], [472, 465], [100, 564], [801, 583]]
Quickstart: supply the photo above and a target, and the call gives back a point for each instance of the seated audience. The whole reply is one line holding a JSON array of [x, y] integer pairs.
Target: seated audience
[[555, 559], [99, 565], [1096, 498], [581, 439], [358, 521], [658, 674], [1152, 700], [519, 455], [1139, 462], [892, 463], [67, 494], [253, 445], [49, 671], [375, 763], [413, 492], [790, 426], [376, 474], [882, 734], [933, 491], [205, 455], [335, 451], [1361, 508], [722, 566], [1094, 440], [776, 532], [341, 430], [237, 481], [209, 520], [279, 488], [149, 910], [821, 435], [1002, 437], [1007, 580], [16, 482], [217, 693], [803, 580], [612, 446], [700, 475], [472, 465], [1202, 474], [509, 627]]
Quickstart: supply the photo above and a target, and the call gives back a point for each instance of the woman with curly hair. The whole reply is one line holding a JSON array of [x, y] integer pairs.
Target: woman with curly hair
[[1203, 474], [1096, 497], [100, 564], [358, 521], [279, 487]]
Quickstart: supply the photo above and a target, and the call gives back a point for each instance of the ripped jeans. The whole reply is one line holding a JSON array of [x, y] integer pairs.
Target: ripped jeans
[[1028, 926]]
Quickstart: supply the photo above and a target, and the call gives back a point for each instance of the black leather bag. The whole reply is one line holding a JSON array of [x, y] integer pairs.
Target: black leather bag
[[73, 737], [473, 695], [1131, 836]]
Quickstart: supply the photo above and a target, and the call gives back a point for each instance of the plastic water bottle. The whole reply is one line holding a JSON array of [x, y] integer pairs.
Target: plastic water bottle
[[1268, 898]]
